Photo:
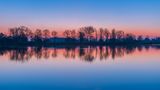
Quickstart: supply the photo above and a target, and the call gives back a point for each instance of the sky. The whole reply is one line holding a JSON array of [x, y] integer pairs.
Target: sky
[[134, 16]]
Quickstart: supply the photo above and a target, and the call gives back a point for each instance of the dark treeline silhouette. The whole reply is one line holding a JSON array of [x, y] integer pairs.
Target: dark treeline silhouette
[[83, 36], [87, 53]]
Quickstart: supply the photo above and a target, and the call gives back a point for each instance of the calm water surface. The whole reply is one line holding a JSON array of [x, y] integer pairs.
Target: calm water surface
[[80, 68]]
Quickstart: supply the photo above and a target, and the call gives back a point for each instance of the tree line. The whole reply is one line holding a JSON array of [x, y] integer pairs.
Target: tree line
[[83, 36]]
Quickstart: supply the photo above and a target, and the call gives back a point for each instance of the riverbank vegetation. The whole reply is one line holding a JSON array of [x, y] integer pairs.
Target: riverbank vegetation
[[83, 36]]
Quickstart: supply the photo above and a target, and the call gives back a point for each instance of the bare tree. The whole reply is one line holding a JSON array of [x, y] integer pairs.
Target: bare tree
[[120, 35], [54, 34], [66, 33], [81, 36], [73, 34], [113, 34], [46, 33], [101, 31], [38, 33], [140, 38], [106, 34], [88, 31], [37, 36], [19, 31], [20, 34]]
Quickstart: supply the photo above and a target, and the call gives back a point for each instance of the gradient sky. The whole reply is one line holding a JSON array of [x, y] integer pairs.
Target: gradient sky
[[136, 16]]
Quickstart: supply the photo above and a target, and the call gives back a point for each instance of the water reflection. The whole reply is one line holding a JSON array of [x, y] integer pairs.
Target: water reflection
[[88, 54]]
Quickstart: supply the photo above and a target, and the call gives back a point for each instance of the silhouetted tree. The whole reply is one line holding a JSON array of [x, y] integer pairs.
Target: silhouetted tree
[[66, 33], [19, 35], [86, 35], [106, 34], [46, 33], [140, 38], [3, 39], [147, 39], [88, 31], [130, 38], [54, 34], [2, 35], [113, 36], [120, 36], [38, 37], [81, 36], [73, 34], [101, 31]]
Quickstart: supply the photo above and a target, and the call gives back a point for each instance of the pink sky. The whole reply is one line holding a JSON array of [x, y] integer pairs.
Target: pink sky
[[137, 31]]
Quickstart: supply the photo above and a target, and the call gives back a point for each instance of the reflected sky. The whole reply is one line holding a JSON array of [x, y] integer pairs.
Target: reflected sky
[[83, 53], [136, 68]]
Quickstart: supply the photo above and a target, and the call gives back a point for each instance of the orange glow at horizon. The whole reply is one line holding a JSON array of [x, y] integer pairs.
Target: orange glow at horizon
[[137, 31]]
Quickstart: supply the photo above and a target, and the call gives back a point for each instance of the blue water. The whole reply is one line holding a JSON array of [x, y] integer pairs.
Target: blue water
[[137, 71]]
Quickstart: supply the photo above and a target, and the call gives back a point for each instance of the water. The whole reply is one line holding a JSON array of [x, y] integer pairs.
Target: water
[[80, 68]]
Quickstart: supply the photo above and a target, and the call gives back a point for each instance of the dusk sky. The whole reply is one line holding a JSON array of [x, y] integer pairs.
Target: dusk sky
[[135, 16]]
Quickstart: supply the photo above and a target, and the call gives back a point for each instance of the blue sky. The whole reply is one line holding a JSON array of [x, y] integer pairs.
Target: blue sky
[[129, 15]]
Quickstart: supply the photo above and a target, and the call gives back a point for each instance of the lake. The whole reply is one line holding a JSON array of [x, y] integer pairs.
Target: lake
[[80, 68]]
